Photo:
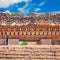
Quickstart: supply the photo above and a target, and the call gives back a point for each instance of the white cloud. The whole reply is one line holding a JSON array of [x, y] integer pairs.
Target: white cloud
[[37, 9], [7, 3], [42, 3], [24, 9]]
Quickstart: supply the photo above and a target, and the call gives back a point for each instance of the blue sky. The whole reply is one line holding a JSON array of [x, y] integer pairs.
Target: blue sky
[[28, 6]]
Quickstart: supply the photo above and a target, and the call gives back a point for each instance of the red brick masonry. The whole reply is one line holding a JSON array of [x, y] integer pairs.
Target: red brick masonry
[[35, 52]]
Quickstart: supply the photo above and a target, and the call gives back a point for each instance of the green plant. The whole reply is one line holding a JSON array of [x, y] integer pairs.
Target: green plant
[[23, 43]]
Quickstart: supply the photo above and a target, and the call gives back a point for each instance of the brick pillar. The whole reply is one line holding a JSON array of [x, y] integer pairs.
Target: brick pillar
[[55, 42], [13, 41], [39, 42], [2, 41], [46, 42]]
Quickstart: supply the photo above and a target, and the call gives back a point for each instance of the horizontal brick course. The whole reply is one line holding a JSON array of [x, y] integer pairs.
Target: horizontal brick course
[[39, 52]]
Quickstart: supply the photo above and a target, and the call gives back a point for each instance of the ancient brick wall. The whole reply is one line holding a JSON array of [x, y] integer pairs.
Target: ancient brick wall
[[39, 52]]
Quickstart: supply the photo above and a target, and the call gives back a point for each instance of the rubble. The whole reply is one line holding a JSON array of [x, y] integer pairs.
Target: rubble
[[34, 18]]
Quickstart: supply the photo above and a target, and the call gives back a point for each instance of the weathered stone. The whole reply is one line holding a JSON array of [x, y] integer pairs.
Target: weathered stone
[[29, 52]]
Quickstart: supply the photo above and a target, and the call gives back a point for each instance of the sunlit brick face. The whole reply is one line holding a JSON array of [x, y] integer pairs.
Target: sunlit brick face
[[35, 28]]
